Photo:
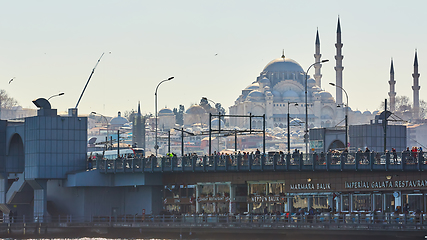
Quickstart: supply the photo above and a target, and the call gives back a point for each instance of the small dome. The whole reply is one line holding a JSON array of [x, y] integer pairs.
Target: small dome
[[253, 86], [119, 120], [283, 65], [311, 82], [165, 111], [195, 109], [256, 94], [265, 80], [366, 113], [214, 123], [296, 122], [326, 96]]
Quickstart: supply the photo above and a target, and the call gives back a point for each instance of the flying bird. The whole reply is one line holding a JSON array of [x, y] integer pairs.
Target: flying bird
[[216, 54], [11, 80]]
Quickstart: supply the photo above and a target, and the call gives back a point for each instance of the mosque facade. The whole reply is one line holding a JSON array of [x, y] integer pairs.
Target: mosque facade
[[280, 88]]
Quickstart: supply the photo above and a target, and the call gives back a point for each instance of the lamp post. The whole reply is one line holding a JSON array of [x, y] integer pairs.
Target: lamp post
[[289, 127], [346, 114], [56, 95], [106, 121], [306, 107], [155, 95]]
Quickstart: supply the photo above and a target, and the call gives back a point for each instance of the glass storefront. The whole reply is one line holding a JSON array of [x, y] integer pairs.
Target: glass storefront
[[270, 197], [213, 198], [179, 199], [413, 202], [362, 202], [267, 197]]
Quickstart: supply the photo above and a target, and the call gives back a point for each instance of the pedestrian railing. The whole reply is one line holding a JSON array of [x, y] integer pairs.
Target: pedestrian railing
[[354, 161]]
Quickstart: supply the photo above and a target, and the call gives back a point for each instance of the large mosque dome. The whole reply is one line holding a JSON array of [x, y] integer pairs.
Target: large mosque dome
[[283, 65]]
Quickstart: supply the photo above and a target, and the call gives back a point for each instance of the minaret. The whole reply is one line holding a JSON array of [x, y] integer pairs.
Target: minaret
[[392, 93], [317, 67], [138, 129], [416, 88], [338, 67]]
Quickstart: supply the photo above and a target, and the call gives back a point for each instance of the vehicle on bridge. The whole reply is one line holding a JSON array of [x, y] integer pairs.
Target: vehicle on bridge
[[113, 154]]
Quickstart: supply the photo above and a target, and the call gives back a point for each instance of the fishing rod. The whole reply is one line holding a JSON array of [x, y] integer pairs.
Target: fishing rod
[[93, 70]]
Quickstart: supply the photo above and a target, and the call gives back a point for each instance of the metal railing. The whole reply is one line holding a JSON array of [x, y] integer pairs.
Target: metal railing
[[371, 218], [355, 161]]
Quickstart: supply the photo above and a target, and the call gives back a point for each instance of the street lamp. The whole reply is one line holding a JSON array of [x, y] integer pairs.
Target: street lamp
[[56, 95], [106, 121], [306, 107], [219, 118], [289, 127], [346, 114], [155, 95]]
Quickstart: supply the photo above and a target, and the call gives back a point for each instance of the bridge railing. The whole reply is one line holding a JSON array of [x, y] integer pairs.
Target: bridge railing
[[331, 161], [322, 218]]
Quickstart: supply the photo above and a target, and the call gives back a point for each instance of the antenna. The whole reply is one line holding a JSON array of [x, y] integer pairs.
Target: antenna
[[93, 70]]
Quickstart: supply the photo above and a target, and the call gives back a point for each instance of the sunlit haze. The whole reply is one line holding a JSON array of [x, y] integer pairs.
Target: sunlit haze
[[214, 49]]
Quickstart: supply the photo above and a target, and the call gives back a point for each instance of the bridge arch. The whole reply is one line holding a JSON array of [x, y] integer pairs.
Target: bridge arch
[[15, 159], [336, 144]]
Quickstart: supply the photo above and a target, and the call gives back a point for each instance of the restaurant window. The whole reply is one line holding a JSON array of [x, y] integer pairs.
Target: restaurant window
[[276, 188], [191, 191], [207, 208], [258, 189], [415, 202], [206, 190], [277, 207], [222, 207], [172, 191], [345, 203], [362, 202], [223, 190], [320, 202], [389, 202], [258, 207], [299, 203], [378, 203]]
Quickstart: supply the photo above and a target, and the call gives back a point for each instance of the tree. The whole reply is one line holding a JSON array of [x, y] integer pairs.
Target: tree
[[179, 115], [6, 101], [403, 105], [219, 108]]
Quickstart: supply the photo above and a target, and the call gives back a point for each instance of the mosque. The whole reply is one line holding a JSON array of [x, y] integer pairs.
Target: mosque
[[280, 88]]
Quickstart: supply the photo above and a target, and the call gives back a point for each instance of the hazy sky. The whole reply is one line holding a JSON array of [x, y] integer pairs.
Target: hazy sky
[[52, 46]]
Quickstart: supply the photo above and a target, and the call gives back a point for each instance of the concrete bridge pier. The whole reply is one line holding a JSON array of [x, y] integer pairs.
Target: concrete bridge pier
[[40, 199]]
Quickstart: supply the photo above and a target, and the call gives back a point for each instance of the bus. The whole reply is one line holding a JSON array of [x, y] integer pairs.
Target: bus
[[112, 154]]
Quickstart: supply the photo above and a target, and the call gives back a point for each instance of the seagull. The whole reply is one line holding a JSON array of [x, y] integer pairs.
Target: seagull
[[216, 54], [11, 80]]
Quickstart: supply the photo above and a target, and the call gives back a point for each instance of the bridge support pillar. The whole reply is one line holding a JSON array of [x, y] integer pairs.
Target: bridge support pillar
[[3, 190], [40, 199]]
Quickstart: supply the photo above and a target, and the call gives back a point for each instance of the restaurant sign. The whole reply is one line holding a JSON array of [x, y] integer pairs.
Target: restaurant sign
[[310, 186], [261, 199], [213, 199], [385, 184]]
